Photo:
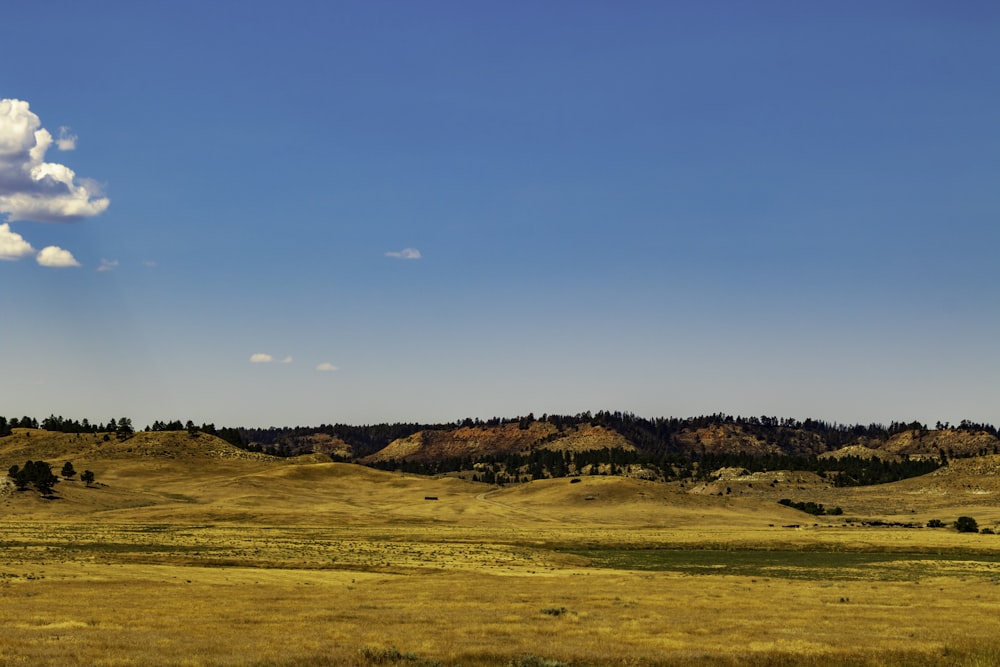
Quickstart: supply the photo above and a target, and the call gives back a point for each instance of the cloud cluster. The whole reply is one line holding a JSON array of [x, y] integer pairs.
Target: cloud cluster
[[264, 358], [30, 187], [13, 247], [36, 190], [405, 253]]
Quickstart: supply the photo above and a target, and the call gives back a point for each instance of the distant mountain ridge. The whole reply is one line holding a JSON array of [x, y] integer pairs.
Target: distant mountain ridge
[[691, 437], [656, 438], [437, 445], [695, 451]]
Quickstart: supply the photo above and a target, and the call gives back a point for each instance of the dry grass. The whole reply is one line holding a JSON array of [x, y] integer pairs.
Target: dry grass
[[205, 560]]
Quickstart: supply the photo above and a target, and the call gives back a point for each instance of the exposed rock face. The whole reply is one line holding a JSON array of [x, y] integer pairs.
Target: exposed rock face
[[471, 441], [321, 443], [478, 441], [588, 438], [731, 439], [952, 442], [861, 452]]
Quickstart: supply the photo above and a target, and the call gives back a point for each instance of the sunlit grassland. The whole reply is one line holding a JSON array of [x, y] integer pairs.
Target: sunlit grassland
[[247, 563]]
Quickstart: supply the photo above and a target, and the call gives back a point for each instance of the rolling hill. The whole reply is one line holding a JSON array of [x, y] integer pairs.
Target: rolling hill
[[173, 476]]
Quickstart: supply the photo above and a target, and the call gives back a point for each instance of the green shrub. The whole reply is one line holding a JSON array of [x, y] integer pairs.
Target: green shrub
[[554, 611], [966, 524]]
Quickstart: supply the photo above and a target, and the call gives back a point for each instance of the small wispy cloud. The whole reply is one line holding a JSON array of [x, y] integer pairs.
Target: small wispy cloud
[[55, 257], [66, 140], [148, 263], [107, 265], [326, 367], [405, 253], [12, 245], [263, 358]]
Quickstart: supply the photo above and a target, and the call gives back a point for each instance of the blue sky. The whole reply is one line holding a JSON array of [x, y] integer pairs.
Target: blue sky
[[427, 211]]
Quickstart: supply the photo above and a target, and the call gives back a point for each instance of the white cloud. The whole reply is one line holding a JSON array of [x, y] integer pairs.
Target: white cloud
[[66, 140], [148, 263], [32, 189], [107, 265], [326, 367], [12, 245], [261, 358], [405, 253], [56, 257]]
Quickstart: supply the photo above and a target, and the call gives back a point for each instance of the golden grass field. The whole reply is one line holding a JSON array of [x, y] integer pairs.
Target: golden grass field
[[184, 553]]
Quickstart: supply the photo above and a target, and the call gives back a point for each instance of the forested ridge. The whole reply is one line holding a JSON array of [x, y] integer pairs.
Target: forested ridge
[[664, 448]]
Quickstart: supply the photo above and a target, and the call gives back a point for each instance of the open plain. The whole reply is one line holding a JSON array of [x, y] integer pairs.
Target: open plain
[[186, 551]]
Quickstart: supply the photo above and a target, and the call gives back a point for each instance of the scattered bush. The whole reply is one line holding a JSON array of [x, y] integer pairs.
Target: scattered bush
[[816, 509], [966, 524], [935, 523], [393, 656], [535, 661]]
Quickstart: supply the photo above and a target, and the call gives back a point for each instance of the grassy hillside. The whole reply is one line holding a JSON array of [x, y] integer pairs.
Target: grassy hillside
[[156, 476]]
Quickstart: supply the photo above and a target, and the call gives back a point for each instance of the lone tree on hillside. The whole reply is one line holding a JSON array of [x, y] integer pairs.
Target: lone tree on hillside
[[124, 430], [67, 470], [87, 477]]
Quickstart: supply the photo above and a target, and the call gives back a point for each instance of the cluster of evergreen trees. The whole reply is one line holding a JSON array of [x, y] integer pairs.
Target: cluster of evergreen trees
[[542, 464], [39, 475], [36, 473], [24, 422], [809, 507], [121, 427]]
